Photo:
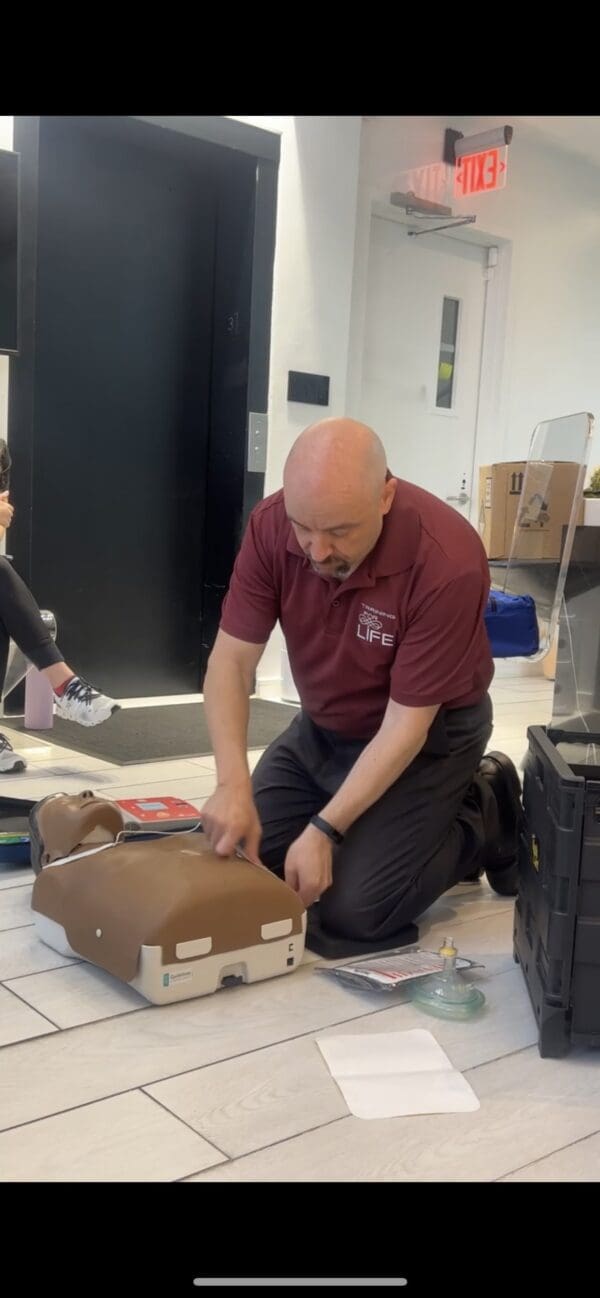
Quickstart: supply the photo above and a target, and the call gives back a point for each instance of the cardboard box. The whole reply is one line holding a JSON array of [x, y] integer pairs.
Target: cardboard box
[[542, 516]]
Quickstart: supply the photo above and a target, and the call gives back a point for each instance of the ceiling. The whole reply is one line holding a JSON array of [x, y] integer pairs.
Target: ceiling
[[579, 135]]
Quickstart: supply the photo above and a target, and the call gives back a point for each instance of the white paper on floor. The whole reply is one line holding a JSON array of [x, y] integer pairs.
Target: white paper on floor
[[391, 1074]]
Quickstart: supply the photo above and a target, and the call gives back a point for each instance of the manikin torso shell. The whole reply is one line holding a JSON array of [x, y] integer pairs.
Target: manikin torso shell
[[113, 901]]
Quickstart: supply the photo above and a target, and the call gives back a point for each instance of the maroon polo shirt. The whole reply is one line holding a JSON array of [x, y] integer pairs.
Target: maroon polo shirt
[[407, 625]]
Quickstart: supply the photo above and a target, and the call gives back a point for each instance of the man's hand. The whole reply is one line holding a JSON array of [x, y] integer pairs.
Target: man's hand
[[308, 865], [6, 510], [230, 817]]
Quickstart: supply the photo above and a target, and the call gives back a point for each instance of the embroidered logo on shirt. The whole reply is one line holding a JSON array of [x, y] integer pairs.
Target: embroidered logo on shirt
[[370, 627]]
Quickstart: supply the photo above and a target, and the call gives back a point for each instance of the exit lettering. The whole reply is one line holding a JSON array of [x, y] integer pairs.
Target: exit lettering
[[478, 173]]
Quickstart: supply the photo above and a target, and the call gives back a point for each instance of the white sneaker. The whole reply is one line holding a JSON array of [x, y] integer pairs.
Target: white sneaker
[[84, 704], [9, 760]]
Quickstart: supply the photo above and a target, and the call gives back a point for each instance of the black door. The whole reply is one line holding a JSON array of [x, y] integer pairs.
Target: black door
[[128, 364]]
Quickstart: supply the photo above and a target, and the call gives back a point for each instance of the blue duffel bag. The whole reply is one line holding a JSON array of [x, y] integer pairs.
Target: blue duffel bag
[[14, 830], [511, 625]]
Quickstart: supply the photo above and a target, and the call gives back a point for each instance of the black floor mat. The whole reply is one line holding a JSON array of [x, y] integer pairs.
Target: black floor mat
[[158, 734]]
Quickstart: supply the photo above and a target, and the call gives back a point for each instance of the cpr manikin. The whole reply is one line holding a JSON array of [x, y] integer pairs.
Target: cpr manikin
[[165, 915]]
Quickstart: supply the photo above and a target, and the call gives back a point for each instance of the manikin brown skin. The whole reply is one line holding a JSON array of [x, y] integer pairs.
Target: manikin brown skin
[[72, 823], [145, 892]]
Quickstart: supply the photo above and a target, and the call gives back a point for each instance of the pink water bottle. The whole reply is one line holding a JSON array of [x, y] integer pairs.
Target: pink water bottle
[[39, 701]]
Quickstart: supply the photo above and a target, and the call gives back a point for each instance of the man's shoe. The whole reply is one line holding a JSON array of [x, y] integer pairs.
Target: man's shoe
[[500, 855]]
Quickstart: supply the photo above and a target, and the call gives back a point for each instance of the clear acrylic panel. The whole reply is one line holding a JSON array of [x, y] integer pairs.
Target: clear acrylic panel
[[549, 506], [18, 665], [576, 702], [583, 757]]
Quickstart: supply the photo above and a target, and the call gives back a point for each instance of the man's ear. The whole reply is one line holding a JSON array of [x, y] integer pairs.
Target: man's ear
[[387, 495]]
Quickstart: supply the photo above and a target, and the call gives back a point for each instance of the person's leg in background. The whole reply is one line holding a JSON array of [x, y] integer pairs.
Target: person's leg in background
[[9, 760], [20, 620]]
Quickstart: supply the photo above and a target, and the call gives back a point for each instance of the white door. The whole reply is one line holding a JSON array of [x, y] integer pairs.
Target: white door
[[421, 365]]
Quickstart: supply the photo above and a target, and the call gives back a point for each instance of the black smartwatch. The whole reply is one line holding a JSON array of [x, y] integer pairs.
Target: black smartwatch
[[327, 829]]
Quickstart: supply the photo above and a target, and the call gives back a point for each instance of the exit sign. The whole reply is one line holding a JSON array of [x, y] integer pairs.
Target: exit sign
[[479, 173]]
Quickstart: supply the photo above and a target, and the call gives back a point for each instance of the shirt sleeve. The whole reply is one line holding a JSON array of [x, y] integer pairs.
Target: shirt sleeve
[[251, 606], [439, 655]]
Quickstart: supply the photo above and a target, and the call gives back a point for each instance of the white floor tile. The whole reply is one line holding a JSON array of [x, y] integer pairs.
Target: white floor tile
[[126, 1138], [36, 751], [578, 1162], [15, 907], [21, 953], [77, 994], [44, 778], [270, 1095], [208, 762], [528, 1107], [195, 790], [257, 1099], [92, 1062], [18, 1021], [13, 876], [241, 1067]]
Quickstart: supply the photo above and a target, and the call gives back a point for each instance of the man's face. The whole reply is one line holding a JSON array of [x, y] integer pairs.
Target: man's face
[[336, 531]]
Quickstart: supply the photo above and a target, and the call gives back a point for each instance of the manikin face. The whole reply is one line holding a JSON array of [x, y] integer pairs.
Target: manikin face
[[67, 822]]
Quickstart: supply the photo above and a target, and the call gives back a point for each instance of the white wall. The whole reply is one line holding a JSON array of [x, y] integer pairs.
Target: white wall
[[6, 142], [312, 289], [550, 213]]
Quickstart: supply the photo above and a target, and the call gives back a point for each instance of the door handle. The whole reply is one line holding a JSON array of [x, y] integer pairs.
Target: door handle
[[462, 499]]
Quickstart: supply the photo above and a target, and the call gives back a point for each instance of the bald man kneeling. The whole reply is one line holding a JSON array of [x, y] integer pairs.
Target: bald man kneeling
[[379, 796]]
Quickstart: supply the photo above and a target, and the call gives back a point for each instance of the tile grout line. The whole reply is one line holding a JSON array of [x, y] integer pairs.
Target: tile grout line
[[544, 1157], [22, 1001], [142, 1090], [238, 1158], [343, 1117], [38, 973], [10, 978], [184, 1072]]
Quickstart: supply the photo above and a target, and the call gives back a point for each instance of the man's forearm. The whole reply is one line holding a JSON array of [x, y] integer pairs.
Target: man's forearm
[[226, 700], [382, 762]]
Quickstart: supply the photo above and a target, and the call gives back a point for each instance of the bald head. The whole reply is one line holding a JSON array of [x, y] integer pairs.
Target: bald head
[[337, 454], [336, 494]]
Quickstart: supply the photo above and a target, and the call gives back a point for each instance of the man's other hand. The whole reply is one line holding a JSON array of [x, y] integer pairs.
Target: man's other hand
[[308, 865]]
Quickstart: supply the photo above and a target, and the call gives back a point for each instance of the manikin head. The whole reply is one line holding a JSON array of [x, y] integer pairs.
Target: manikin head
[[67, 823], [336, 494]]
